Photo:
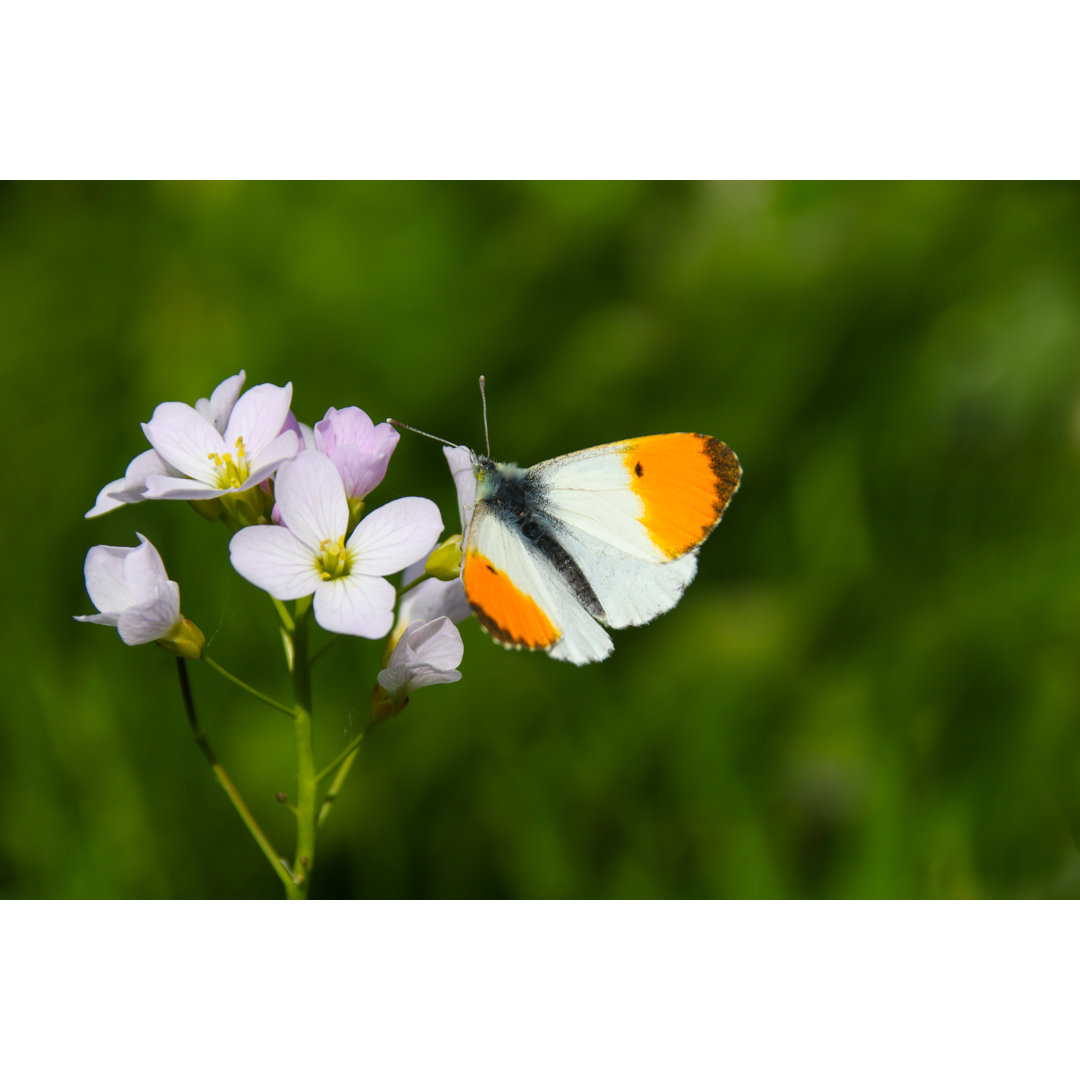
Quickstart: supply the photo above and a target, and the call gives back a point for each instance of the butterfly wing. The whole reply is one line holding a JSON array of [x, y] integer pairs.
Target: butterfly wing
[[632, 515]]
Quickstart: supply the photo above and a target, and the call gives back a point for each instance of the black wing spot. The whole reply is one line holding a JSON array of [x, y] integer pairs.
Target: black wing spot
[[488, 566], [638, 469]]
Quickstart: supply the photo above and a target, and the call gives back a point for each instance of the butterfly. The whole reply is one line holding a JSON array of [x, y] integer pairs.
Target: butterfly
[[604, 537]]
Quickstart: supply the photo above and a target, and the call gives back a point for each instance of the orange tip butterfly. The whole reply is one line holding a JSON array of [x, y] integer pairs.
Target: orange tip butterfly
[[603, 537]]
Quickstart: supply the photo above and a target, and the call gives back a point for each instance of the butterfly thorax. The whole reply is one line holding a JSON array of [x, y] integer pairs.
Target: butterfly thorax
[[511, 494]]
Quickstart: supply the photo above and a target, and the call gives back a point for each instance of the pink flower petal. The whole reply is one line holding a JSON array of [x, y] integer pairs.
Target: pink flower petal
[[105, 582], [361, 471], [395, 535], [294, 425], [436, 642], [144, 571], [270, 557], [427, 653], [360, 449], [259, 417], [280, 450], [218, 409], [102, 619], [356, 605], [131, 487], [153, 619], [342, 427], [401, 680], [181, 487], [432, 598], [311, 500], [185, 440], [121, 577]]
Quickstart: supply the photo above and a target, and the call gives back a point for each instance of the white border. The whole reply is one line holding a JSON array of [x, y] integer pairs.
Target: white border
[[585, 89], [540, 989]]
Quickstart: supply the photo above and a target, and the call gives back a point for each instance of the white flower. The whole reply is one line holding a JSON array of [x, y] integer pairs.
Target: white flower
[[131, 590], [428, 653], [309, 553], [211, 463], [131, 487]]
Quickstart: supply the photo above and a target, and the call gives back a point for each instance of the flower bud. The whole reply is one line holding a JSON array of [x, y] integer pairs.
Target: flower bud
[[444, 563]]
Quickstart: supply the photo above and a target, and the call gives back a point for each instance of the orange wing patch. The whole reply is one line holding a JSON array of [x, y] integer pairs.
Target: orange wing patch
[[685, 483], [505, 612]]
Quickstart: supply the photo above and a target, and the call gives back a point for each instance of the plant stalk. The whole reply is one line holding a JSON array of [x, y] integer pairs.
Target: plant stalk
[[277, 863], [306, 796]]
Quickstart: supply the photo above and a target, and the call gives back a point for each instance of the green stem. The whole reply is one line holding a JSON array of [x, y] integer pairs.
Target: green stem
[[339, 779], [403, 589], [283, 614], [277, 863], [264, 698], [307, 792], [324, 772]]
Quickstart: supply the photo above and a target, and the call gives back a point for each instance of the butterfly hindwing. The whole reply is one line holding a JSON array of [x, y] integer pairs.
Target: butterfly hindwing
[[521, 600], [630, 591]]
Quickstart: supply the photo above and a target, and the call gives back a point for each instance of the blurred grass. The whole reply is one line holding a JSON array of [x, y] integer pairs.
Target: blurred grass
[[872, 688]]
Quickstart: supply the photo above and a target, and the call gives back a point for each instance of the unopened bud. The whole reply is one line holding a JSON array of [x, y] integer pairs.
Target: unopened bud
[[444, 563]]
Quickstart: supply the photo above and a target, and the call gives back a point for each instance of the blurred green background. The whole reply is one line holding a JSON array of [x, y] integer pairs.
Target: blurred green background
[[871, 690]]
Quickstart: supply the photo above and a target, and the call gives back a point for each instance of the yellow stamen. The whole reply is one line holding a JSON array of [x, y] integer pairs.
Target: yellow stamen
[[334, 560], [232, 474]]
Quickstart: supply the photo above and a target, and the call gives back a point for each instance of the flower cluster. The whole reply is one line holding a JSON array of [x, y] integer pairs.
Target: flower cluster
[[294, 498]]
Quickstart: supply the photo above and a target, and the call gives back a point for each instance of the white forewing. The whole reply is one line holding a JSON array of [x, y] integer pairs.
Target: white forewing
[[589, 492]]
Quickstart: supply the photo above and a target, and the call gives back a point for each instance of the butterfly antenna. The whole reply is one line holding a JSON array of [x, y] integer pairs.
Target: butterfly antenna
[[483, 401], [416, 430]]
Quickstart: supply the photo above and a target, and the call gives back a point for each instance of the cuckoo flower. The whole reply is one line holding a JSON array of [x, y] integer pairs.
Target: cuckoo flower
[[131, 590], [309, 552], [427, 653], [213, 463], [360, 449], [131, 487]]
